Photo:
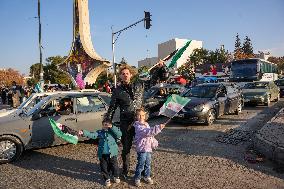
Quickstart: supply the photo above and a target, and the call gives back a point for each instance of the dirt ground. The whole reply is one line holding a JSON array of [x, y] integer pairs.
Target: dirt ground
[[188, 156]]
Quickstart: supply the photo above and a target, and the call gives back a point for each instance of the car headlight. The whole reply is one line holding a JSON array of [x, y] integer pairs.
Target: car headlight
[[199, 108]]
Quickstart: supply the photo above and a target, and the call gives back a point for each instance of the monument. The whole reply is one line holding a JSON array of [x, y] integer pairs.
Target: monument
[[83, 64]]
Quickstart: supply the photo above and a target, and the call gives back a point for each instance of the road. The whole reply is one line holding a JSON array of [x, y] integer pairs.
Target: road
[[189, 156]]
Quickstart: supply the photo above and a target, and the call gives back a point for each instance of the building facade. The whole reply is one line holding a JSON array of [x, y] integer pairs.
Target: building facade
[[167, 47]]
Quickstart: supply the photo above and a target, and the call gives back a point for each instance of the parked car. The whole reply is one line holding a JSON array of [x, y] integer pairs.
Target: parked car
[[280, 84], [156, 96], [210, 101], [31, 128], [261, 92]]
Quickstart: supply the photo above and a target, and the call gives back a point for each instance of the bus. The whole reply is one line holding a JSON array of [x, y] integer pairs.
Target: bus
[[253, 69]]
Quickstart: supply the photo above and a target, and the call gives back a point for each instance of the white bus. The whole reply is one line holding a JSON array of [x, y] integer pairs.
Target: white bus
[[253, 69]]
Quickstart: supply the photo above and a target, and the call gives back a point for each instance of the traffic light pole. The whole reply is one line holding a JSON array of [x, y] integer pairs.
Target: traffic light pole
[[147, 19]]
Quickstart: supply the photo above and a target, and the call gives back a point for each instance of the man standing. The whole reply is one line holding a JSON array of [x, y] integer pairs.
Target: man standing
[[128, 97]]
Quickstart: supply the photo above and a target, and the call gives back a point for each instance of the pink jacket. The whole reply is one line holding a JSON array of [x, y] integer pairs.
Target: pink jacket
[[144, 136]]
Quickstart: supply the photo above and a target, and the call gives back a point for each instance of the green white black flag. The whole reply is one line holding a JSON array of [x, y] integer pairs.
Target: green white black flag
[[65, 136], [173, 105]]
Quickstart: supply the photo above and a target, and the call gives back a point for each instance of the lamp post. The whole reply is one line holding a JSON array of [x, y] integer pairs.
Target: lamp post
[[40, 46], [147, 24]]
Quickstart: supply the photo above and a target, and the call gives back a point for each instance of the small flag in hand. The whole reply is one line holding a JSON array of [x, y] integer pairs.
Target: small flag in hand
[[173, 105], [68, 136]]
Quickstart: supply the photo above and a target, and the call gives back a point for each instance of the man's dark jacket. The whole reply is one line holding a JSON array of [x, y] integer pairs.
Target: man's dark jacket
[[128, 98]]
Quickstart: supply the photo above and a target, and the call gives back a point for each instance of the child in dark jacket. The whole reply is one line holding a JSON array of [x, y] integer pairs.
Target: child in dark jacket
[[107, 150], [145, 142]]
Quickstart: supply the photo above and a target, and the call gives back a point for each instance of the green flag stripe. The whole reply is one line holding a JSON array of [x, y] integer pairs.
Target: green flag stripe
[[65, 136], [178, 55]]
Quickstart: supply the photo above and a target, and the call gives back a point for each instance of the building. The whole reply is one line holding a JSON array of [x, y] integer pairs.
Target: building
[[148, 62], [262, 55], [167, 47]]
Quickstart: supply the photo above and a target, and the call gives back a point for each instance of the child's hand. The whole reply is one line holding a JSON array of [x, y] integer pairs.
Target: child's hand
[[162, 126], [80, 133]]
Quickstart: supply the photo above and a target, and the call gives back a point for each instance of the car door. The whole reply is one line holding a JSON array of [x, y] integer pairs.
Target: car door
[[232, 99], [222, 99], [90, 111], [42, 132]]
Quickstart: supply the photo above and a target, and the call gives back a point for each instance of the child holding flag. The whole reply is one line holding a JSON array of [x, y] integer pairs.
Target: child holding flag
[[107, 149], [145, 142]]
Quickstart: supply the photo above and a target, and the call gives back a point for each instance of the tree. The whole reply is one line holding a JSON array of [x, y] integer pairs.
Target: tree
[[247, 48], [9, 75], [279, 61], [187, 71], [51, 73], [35, 71], [238, 50], [198, 56], [244, 51]]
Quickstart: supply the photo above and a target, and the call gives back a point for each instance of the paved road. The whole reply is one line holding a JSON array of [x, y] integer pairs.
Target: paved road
[[189, 156]]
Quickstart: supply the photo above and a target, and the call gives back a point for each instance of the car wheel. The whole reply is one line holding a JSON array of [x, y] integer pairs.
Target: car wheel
[[10, 149], [239, 108], [211, 116]]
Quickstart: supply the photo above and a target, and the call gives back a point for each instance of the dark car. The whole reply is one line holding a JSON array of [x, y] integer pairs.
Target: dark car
[[31, 128], [155, 97], [280, 84], [210, 101]]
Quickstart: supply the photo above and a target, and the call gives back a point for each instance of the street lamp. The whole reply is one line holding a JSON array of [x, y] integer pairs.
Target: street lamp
[[40, 46], [147, 24]]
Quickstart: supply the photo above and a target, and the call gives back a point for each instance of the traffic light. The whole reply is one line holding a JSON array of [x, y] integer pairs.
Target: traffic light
[[147, 20]]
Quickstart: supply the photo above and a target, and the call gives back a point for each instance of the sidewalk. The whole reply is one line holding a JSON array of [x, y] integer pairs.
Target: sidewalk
[[269, 140]]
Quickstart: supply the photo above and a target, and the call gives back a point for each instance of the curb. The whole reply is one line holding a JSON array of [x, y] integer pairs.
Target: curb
[[268, 141]]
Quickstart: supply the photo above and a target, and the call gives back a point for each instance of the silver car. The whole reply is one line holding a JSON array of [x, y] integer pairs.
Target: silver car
[[261, 92], [31, 128]]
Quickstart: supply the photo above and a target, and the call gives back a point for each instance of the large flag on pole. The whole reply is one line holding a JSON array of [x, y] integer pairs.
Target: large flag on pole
[[57, 128], [146, 74], [178, 55], [173, 105]]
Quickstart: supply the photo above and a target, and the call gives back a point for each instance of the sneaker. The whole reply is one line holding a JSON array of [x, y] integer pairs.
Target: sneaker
[[137, 183], [116, 180], [149, 180], [107, 183]]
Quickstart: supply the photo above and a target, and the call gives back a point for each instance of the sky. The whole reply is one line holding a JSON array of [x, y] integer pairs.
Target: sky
[[215, 22]]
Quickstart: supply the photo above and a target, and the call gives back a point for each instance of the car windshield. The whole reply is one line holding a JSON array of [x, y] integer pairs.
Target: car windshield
[[106, 99], [151, 92], [32, 102], [244, 69], [26, 101], [259, 85], [37, 106], [202, 92]]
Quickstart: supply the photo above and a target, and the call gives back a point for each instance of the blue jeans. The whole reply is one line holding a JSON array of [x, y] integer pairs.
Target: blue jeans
[[144, 163]]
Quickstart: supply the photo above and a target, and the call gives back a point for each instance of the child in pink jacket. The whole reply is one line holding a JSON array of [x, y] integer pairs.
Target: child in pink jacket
[[145, 142]]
